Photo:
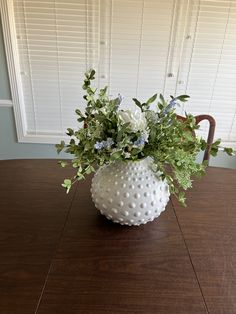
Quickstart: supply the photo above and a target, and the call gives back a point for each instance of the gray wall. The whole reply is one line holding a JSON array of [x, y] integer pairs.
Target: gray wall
[[4, 83], [11, 149]]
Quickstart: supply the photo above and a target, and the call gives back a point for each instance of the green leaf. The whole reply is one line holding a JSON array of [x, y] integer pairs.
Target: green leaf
[[89, 98], [91, 91], [203, 144], [152, 99], [137, 102], [67, 182], [92, 73], [116, 155], [89, 169], [182, 198], [103, 91], [60, 146], [79, 113], [63, 163], [68, 189], [214, 151], [229, 151], [162, 99], [80, 175], [79, 178], [217, 142], [70, 132], [183, 98], [87, 146]]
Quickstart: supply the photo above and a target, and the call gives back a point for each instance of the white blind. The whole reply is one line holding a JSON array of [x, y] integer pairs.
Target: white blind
[[57, 42], [174, 47], [208, 69], [135, 46], [139, 47]]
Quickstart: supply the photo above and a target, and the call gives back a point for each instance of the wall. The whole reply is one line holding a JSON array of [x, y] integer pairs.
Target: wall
[[4, 82], [11, 149]]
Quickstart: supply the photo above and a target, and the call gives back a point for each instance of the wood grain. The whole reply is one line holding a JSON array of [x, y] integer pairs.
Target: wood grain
[[102, 267], [55, 258], [208, 226], [33, 210]]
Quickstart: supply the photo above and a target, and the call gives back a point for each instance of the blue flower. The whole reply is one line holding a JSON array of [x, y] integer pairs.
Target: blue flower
[[171, 105], [108, 143], [99, 145], [140, 141], [104, 144]]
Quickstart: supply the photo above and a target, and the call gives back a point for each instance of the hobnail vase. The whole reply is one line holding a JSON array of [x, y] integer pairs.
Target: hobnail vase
[[129, 192]]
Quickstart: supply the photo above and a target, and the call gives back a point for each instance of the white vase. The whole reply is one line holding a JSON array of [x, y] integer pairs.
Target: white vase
[[129, 193]]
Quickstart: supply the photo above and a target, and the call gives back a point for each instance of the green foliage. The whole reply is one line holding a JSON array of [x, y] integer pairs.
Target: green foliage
[[63, 163], [229, 151], [60, 146], [67, 184], [110, 134], [145, 105]]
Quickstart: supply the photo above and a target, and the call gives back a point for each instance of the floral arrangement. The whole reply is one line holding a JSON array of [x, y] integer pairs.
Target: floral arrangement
[[109, 134]]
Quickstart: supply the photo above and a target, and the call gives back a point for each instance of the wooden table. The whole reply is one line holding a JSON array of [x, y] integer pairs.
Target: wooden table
[[59, 255]]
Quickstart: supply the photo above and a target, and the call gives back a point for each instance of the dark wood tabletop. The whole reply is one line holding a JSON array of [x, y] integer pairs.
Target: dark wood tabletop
[[59, 255]]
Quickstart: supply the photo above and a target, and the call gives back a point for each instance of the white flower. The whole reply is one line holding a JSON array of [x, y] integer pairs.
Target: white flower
[[136, 119], [127, 155]]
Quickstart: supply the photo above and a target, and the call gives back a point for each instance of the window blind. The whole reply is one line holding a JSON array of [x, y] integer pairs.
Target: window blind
[[139, 47], [57, 42], [208, 69], [136, 43]]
